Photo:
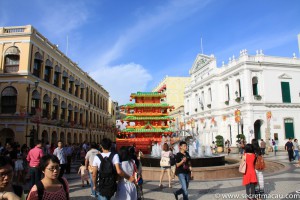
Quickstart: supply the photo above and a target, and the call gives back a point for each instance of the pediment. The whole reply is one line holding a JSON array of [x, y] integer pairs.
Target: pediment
[[202, 61], [284, 76]]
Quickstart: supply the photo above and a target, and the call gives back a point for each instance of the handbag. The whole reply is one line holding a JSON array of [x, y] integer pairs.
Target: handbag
[[260, 163], [165, 162], [242, 167]]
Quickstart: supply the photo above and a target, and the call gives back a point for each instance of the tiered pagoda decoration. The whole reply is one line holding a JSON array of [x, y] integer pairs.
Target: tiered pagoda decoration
[[147, 121]]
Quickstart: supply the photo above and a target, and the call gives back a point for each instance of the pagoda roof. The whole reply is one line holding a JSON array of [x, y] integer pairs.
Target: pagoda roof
[[147, 94], [132, 105], [147, 118], [142, 130]]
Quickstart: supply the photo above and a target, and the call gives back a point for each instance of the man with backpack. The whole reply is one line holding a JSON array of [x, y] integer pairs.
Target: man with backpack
[[106, 167]]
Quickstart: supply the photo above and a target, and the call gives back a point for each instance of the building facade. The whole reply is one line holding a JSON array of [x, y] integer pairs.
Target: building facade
[[45, 95], [173, 88], [254, 95]]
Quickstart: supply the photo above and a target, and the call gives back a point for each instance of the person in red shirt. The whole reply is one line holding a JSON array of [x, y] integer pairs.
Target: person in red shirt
[[33, 158]]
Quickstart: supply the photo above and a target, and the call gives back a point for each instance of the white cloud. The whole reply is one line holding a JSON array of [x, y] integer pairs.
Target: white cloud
[[61, 18], [161, 17], [121, 80], [124, 79]]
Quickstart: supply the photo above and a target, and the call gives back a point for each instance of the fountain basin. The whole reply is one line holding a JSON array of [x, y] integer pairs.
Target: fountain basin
[[218, 160], [230, 170]]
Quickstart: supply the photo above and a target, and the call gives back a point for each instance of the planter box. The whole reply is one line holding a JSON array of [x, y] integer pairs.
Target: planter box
[[220, 149]]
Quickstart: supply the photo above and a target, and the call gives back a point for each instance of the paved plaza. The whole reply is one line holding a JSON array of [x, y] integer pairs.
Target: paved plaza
[[277, 185]]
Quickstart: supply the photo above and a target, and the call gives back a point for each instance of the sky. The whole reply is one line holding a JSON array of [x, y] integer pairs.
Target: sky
[[130, 46]]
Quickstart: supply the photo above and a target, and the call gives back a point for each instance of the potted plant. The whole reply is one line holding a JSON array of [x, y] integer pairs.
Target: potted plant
[[239, 137], [209, 105], [238, 99], [257, 97], [220, 143], [226, 102]]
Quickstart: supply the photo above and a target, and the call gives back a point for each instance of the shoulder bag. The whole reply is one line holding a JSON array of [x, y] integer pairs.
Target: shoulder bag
[[242, 167]]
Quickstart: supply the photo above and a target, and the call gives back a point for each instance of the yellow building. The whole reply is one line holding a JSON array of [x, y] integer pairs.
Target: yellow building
[[174, 88], [45, 95]]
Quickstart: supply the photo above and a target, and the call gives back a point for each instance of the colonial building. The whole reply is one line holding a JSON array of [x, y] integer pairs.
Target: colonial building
[[254, 95], [173, 88], [45, 95]]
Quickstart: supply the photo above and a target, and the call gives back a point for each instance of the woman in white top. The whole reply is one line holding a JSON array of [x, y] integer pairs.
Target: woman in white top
[[126, 190], [167, 154]]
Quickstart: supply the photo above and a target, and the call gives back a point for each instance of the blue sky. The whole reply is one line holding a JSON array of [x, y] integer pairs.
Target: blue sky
[[130, 46]]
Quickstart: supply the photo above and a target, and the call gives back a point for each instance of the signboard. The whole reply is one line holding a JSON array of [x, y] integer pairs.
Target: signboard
[[276, 127]]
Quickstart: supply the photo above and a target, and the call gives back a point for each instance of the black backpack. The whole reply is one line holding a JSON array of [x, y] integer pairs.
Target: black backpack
[[40, 188], [18, 190], [107, 176]]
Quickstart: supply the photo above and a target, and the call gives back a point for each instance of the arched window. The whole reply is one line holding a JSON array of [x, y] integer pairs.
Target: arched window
[[63, 110], [9, 100], [227, 92], [37, 65], [101, 100], [55, 108], [64, 81], [48, 68], [87, 94], [77, 85], [210, 95], [76, 115], [81, 91], [81, 117], [35, 101], [71, 84], [46, 106], [70, 110], [255, 86], [91, 97], [56, 76], [238, 91], [12, 59]]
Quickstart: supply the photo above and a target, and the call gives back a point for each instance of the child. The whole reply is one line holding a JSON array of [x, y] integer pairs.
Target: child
[[19, 168], [84, 174]]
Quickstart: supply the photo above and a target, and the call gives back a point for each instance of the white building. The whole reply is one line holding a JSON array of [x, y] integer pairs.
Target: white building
[[255, 85]]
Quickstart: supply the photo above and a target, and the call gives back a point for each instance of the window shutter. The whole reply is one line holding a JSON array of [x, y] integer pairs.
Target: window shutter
[[285, 91], [289, 129]]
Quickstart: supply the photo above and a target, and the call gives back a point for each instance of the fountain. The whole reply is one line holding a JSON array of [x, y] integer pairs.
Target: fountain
[[208, 152], [156, 150], [201, 155]]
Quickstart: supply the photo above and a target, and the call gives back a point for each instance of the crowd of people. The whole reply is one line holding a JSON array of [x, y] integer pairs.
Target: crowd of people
[[45, 167], [110, 173]]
